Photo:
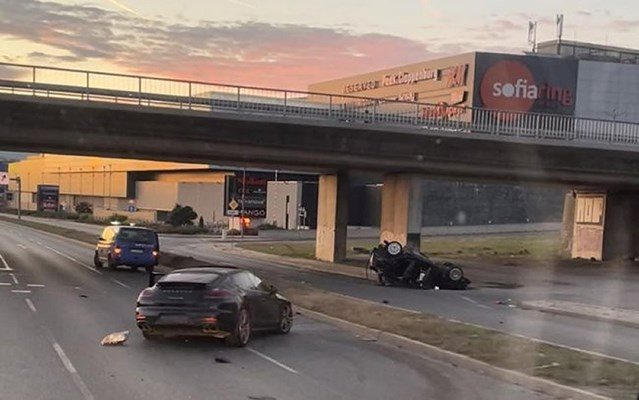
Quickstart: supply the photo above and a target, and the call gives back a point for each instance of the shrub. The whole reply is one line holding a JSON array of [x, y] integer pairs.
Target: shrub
[[85, 217], [200, 223], [118, 218], [181, 216], [268, 226], [83, 208]]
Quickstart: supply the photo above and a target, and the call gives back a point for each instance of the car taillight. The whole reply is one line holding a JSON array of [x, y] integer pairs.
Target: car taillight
[[139, 316], [218, 293], [155, 253], [117, 250]]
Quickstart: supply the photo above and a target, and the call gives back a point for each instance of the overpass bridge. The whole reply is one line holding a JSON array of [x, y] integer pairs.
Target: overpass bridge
[[44, 109]]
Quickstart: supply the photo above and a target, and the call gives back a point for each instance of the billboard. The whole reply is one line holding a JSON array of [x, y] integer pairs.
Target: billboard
[[253, 184], [525, 83], [48, 197]]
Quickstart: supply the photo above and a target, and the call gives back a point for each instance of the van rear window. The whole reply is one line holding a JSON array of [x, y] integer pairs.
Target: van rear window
[[128, 235]]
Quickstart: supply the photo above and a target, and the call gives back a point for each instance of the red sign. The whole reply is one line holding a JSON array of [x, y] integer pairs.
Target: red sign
[[510, 85]]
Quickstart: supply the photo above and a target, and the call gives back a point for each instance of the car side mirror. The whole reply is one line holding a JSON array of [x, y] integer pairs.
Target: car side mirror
[[155, 276], [272, 289]]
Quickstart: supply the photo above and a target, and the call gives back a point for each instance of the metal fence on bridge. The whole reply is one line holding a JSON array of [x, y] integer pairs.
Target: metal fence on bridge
[[144, 91]]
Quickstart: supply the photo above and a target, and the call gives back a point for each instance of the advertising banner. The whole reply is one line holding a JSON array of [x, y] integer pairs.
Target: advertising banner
[[48, 197], [525, 83]]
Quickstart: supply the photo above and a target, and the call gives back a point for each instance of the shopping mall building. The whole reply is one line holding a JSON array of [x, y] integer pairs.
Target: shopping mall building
[[567, 78]]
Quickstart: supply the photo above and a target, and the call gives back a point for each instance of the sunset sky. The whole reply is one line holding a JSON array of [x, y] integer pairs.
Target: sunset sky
[[288, 43]]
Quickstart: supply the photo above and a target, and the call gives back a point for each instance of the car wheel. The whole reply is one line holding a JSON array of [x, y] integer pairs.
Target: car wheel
[[149, 336], [134, 268], [96, 261], [242, 332], [110, 262], [286, 320]]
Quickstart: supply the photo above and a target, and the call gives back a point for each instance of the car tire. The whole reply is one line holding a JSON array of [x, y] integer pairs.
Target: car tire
[[286, 320], [110, 262], [149, 336], [96, 261], [242, 332], [134, 268]]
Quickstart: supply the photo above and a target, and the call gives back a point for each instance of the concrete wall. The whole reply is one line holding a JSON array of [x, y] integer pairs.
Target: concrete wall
[[138, 216], [207, 199], [156, 195], [608, 91], [276, 206]]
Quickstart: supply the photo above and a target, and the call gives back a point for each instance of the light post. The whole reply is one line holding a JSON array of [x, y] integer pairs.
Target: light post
[[19, 182]]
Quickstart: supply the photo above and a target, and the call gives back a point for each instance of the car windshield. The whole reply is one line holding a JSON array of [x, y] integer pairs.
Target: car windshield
[[143, 236], [347, 199]]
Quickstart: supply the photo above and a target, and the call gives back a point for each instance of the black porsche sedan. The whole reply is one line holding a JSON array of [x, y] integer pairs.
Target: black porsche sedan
[[221, 302]]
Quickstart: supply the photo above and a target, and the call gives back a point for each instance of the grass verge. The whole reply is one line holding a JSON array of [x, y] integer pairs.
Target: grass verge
[[507, 249], [609, 377]]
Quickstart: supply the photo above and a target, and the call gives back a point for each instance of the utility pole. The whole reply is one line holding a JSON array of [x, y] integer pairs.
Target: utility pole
[[19, 182], [532, 35], [242, 209], [560, 31]]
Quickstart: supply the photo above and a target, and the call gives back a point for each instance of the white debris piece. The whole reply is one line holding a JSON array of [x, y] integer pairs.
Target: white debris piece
[[115, 338]]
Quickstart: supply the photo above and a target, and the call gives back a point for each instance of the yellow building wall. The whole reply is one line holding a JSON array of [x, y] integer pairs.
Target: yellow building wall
[[86, 176], [191, 176]]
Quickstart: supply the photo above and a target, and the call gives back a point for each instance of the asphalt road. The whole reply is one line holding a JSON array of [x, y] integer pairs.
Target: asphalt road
[[55, 308], [478, 306]]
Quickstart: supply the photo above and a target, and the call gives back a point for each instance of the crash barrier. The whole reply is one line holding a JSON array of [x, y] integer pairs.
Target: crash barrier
[[144, 91]]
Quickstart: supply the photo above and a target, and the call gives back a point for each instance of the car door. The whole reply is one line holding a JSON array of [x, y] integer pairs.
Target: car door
[[270, 305], [255, 298]]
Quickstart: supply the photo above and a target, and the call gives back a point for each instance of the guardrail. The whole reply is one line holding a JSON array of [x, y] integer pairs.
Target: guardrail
[[145, 91]]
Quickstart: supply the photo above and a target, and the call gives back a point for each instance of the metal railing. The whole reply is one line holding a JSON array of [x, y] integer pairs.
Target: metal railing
[[145, 91]]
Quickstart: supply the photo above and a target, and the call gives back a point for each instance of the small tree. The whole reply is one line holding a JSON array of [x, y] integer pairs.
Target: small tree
[[200, 223], [84, 208], [181, 216]]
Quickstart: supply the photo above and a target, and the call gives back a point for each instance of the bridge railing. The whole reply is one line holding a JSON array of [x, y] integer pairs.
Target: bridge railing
[[146, 91]]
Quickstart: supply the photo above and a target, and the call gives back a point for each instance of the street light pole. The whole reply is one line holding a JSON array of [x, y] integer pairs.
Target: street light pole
[[19, 182]]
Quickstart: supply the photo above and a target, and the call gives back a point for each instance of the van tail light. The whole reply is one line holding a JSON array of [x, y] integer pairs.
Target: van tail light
[[117, 250], [218, 293], [155, 253]]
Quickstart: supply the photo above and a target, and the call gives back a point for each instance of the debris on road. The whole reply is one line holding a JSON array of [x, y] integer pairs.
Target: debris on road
[[84, 296], [385, 301], [222, 360], [508, 303], [551, 365], [115, 338]]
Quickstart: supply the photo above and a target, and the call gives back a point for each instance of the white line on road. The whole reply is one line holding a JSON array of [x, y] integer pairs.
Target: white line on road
[[35, 285], [13, 278], [39, 243], [5, 265], [74, 373], [20, 291], [475, 302], [267, 358], [6, 283], [74, 260], [22, 246], [124, 285], [30, 304]]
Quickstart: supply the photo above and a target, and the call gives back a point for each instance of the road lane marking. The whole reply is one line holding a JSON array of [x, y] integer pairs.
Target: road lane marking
[[74, 260], [13, 277], [30, 304], [39, 243], [6, 283], [6, 266], [20, 291], [22, 246], [74, 373], [267, 358], [124, 285], [475, 302], [35, 285]]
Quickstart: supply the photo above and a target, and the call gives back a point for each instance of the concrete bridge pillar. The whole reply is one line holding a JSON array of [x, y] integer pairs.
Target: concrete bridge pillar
[[332, 217], [606, 225], [402, 209]]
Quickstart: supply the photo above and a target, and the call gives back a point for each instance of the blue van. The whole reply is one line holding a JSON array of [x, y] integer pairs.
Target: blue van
[[127, 245]]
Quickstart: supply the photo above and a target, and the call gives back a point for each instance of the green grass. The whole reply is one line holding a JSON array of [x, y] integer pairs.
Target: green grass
[[500, 248]]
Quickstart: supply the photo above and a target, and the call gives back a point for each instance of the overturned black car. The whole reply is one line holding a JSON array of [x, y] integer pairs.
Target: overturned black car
[[396, 265]]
